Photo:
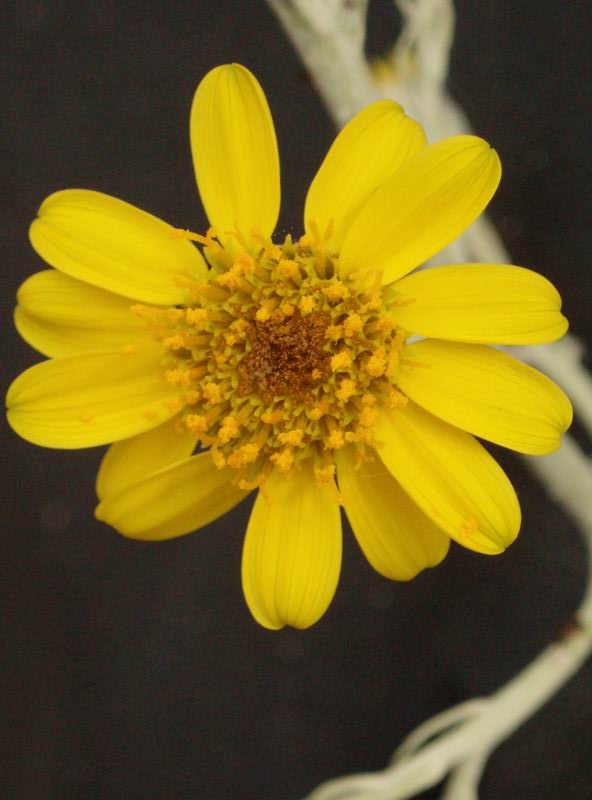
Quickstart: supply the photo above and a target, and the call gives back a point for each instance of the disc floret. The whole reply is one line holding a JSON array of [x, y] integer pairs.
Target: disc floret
[[277, 358]]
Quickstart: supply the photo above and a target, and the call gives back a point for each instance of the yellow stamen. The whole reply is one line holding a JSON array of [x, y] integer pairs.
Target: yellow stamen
[[320, 409], [196, 316], [175, 342], [229, 429], [335, 440], [263, 314], [329, 230], [176, 404], [305, 241], [182, 233], [192, 397], [292, 438], [272, 417], [347, 389], [334, 332], [248, 486], [324, 475], [246, 454], [283, 460], [336, 291], [377, 364], [353, 324], [396, 399], [212, 392], [368, 416], [278, 359], [196, 423], [218, 458], [306, 305], [341, 360], [178, 377], [288, 268], [287, 309]]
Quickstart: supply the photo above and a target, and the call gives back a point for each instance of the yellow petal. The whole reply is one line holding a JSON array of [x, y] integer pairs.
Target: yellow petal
[[61, 316], [131, 460], [487, 393], [371, 148], [235, 152], [292, 551], [109, 243], [482, 303], [172, 502], [85, 401], [451, 477], [422, 208], [396, 537]]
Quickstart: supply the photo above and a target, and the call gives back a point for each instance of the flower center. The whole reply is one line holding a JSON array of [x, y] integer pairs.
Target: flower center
[[286, 357], [276, 358]]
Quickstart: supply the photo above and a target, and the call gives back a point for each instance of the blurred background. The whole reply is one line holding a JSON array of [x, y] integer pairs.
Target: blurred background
[[134, 670]]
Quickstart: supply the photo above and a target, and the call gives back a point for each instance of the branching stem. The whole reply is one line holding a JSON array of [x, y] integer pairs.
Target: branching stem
[[329, 37]]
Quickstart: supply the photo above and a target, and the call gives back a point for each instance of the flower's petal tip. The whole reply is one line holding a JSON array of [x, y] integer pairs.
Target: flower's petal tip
[[367, 152], [235, 153], [104, 513], [89, 400], [173, 501], [506, 534], [33, 232], [111, 244], [276, 621], [100, 514], [568, 415], [62, 316], [481, 304], [396, 537], [482, 539], [476, 146], [452, 478], [292, 551], [13, 420], [423, 207], [562, 321], [484, 150], [564, 415], [13, 411], [527, 412], [222, 71]]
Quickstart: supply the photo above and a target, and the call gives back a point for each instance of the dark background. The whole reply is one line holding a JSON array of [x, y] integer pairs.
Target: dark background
[[134, 670]]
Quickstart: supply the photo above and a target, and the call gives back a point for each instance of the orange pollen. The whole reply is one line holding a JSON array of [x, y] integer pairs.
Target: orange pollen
[[276, 358]]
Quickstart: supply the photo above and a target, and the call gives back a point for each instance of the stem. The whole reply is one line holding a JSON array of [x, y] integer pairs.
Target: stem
[[329, 37]]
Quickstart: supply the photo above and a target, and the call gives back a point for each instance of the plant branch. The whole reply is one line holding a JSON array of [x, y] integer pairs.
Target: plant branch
[[329, 36]]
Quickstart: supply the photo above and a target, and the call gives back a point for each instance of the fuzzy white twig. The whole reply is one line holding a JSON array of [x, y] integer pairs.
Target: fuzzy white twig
[[472, 732], [437, 725], [329, 36]]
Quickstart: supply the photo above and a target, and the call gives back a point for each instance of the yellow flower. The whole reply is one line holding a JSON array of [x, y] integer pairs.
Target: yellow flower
[[289, 363]]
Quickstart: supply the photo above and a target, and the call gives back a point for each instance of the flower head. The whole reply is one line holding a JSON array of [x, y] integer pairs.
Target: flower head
[[315, 370]]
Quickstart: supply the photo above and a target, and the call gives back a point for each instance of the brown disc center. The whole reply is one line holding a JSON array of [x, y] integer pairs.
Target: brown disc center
[[286, 357]]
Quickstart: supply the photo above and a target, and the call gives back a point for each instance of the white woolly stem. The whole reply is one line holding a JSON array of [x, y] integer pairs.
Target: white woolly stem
[[465, 748], [329, 36], [463, 783], [437, 725]]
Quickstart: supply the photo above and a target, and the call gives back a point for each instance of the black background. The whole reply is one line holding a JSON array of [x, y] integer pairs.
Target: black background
[[134, 670]]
